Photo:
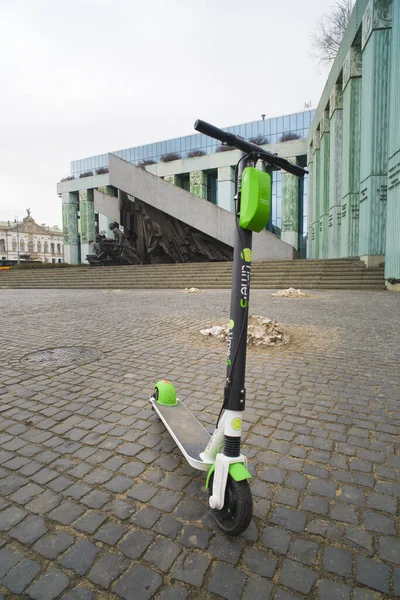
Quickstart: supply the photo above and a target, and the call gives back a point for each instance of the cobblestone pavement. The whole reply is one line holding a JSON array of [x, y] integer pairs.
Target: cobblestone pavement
[[96, 500]]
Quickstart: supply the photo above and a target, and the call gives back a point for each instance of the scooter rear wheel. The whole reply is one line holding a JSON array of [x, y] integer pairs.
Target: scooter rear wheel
[[235, 515]]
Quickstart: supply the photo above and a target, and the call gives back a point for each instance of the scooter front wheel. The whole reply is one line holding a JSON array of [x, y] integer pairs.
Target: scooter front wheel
[[235, 516]]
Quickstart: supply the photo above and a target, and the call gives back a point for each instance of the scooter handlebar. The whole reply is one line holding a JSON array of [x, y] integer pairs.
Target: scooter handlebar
[[231, 139]]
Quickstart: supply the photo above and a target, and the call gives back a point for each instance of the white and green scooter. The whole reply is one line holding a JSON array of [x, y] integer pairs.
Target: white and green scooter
[[219, 454]]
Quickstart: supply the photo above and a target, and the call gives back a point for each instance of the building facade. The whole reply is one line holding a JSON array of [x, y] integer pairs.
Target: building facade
[[353, 145], [28, 240], [201, 166]]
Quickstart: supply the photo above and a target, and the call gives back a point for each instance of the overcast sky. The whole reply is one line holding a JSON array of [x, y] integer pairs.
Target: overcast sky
[[85, 77]]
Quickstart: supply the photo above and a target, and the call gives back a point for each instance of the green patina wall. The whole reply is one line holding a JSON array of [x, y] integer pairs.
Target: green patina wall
[[351, 153], [316, 194], [198, 184], [70, 218], [376, 39], [335, 179], [174, 179], [290, 207], [392, 258], [87, 220], [323, 197]]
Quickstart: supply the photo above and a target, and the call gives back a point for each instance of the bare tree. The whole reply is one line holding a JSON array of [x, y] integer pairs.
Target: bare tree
[[326, 39]]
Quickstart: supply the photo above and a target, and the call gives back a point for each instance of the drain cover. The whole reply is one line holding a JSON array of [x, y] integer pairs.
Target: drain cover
[[60, 357]]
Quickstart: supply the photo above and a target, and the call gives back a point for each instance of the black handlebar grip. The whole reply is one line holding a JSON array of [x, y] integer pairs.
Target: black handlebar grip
[[210, 130]]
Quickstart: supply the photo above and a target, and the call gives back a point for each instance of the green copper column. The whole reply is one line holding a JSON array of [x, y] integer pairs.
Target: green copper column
[[316, 196], [290, 208], [376, 29], [174, 179], [324, 186], [226, 188], [198, 184], [392, 257], [351, 84], [335, 178], [70, 227], [88, 222], [310, 192]]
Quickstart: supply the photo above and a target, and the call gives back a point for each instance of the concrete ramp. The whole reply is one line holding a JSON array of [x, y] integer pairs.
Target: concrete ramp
[[184, 206]]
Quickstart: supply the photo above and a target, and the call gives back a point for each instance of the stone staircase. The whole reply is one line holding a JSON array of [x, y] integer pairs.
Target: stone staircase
[[339, 274]]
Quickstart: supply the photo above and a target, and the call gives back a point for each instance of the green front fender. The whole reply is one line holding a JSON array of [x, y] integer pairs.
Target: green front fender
[[237, 471]]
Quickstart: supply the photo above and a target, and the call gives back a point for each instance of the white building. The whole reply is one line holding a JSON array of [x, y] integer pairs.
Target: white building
[[27, 240]]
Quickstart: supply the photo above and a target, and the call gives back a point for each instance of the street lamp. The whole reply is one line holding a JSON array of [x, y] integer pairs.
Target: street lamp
[[16, 221]]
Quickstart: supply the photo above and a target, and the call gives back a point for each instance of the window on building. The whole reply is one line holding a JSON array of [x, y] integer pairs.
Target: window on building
[[39, 246], [22, 246], [14, 244], [31, 247], [46, 247], [2, 246], [52, 248], [58, 248]]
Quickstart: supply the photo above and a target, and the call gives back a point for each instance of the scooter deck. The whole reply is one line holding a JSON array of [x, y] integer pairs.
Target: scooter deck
[[189, 434]]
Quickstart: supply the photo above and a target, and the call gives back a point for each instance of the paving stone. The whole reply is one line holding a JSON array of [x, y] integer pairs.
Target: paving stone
[[162, 554], [168, 526], [49, 586], [337, 561], [166, 501], [297, 481], [142, 492], [11, 484], [174, 592], [374, 521], [363, 594], [30, 530], [226, 548], [303, 551], [323, 488], [60, 483], [119, 484], [286, 496], [324, 528], [273, 475], [288, 518], [195, 537], [21, 576], [96, 499], [358, 539], [80, 556], [259, 562], [227, 582], [90, 522], [297, 577], [79, 594], [145, 518], [190, 509], [276, 539], [284, 595], [107, 569], [381, 502], [373, 574], [44, 503], [10, 517], [53, 545], [142, 580], [175, 482], [396, 581], [77, 490], [315, 505], [389, 549], [66, 513], [111, 533], [44, 476], [190, 568], [26, 493], [331, 590], [135, 544], [8, 559], [345, 513], [133, 469], [352, 495], [98, 476]]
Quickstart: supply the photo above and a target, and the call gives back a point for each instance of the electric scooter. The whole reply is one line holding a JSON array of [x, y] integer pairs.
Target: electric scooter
[[220, 454]]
